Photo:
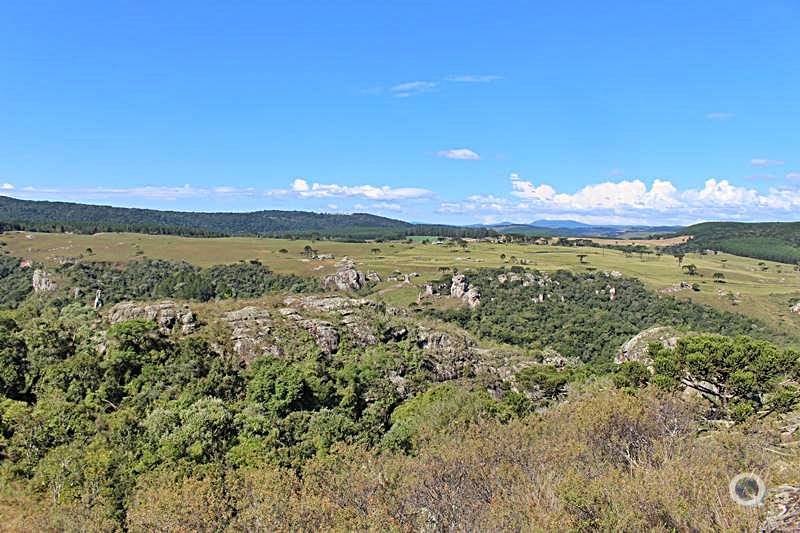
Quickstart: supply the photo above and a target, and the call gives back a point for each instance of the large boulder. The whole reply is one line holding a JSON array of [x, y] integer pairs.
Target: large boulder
[[347, 278], [251, 334], [635, 348], [459, 288], [42, 282], [169, 316], [796, 308]]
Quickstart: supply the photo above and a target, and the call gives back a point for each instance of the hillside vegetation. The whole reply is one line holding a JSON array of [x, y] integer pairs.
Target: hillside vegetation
[[81, 218], [307, 410], [773, 241]]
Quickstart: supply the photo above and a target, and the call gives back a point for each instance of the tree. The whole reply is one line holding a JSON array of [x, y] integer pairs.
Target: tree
[[719, 277], [13, 363], [679, 258], [581, 257], [739, 376], [691, 269]]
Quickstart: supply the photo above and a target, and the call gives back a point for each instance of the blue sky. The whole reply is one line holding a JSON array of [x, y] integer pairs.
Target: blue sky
[[460, 112]]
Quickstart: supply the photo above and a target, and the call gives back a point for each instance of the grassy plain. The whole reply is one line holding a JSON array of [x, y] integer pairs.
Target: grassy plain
[[761, 289]]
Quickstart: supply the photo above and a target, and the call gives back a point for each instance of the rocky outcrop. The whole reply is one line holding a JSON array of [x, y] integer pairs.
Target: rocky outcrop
[[459, 288], [635, 349], [354, 313], [169, 316], [347, 278], [447, 355], [324, 333], [42, 282], [251, 334], [796, 308]]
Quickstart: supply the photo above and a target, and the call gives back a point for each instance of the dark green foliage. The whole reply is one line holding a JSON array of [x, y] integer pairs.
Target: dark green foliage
[[155, 278], [61, 216], [13, 360], [15, 282], [774, 241], [739, 376], [577, 317], [631, 375]]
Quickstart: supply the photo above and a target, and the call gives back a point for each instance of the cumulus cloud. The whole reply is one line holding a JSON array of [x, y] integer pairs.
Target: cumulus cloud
[[631, 201], [318, 190], [459, 153], [759, 162], [6, 187]]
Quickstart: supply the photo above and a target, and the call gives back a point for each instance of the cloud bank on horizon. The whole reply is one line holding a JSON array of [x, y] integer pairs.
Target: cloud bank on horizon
[[625, 201]]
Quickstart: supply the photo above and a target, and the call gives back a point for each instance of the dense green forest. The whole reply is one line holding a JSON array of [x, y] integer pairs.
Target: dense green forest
[[773, 241], [81, 218], [155, 278], [577, 316]]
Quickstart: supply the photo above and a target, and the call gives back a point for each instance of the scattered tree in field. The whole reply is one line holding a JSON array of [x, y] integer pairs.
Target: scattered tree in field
[[679, 258], [690, 269], [375, 251], [581, 257], [719, 277]]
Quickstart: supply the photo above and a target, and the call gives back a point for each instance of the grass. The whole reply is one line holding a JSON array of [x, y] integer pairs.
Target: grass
[[761, 289]]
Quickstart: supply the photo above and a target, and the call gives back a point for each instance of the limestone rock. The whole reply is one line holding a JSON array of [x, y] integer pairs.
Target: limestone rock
[[347, 278], [169, 316], [324, 334], [472, 297], [42, 282], [635, 349], [796, 308], [448, 355], [459, 288], [251, 334]]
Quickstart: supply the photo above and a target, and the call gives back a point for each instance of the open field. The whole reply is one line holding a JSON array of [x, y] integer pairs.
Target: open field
[[761, 289]]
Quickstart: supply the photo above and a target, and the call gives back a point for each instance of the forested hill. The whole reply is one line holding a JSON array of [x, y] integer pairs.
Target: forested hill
[[81, 218], [774, 241]]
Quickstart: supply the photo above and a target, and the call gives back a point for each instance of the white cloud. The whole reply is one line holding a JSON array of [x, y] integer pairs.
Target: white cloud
[[411, 88], [793, 176], [474, 78], [459, 153], [6, 187], [759, 162], [720, 115], [379, 206], [632, 201], [318, 190]]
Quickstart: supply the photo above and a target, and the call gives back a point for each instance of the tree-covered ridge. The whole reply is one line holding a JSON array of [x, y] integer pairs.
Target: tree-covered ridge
[[576, 315], [63, 216], [156, 278], [773, 241]]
